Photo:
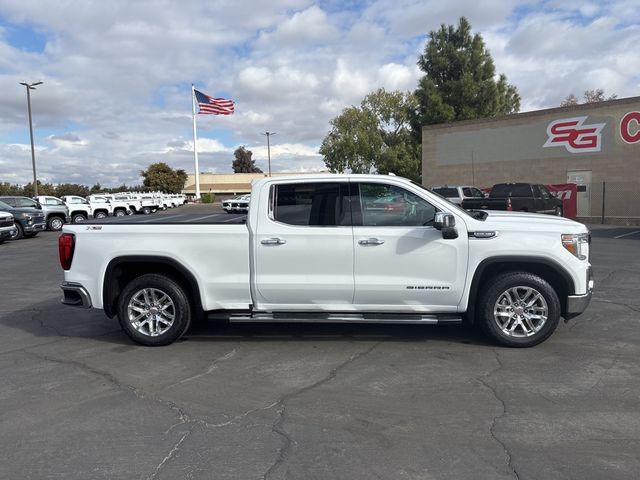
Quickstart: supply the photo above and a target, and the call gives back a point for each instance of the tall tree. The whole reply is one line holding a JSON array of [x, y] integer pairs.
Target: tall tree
[[354, 142], [243, 163], [160, 176], [590, 96], [374, 137], [460, 80]]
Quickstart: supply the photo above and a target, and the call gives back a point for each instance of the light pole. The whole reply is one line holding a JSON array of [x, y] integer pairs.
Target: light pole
[[32, 86], [268, 134]]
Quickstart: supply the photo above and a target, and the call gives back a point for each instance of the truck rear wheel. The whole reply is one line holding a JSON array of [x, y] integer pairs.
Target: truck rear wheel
[[154, 310], [519, 309]]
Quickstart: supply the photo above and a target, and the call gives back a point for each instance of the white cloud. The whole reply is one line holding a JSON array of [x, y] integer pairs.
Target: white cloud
[[117, 74]]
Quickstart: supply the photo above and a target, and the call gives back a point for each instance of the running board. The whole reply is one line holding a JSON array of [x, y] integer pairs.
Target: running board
[[293, 317]]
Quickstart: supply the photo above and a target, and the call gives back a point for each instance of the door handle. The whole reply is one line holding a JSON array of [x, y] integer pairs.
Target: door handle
[[273, 241], [371, 241]]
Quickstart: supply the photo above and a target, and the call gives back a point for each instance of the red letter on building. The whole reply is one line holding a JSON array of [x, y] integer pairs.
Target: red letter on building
[[625, 124]]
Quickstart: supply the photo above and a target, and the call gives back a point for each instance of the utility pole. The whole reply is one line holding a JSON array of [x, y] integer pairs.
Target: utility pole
[[268, 134], [32, 86]]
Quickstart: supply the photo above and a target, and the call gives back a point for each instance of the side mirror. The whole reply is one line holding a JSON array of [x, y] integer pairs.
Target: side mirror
[[446, 223]]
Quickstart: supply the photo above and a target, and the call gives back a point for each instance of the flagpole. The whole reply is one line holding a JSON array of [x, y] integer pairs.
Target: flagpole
[[195, 141]]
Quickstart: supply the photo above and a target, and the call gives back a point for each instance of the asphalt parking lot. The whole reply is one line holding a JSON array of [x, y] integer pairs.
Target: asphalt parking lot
[[78, 400]]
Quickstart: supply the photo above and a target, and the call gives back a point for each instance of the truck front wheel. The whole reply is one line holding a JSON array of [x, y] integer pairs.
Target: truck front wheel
[[519, 309], [154, 310]]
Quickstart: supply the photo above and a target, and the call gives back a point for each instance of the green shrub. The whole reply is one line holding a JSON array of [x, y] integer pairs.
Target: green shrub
[[208, 197]]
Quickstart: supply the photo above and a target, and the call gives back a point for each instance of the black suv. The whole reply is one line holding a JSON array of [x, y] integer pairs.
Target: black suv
[[29, 221]]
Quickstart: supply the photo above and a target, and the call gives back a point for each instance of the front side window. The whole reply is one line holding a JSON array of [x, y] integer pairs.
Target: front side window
[[472, 192], [27, 202], [545, 193], [391, 206], [321, 204]]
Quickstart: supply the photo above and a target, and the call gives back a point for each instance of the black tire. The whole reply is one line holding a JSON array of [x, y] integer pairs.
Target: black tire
[[19, 232], [55, 224], [146, 210], [495, 299], [78, 218], [557, 211], [180, 308], [100, 215], [119, 213]]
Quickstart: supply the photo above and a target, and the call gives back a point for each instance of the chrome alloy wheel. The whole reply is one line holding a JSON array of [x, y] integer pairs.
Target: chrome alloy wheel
[[151, 312], [520, 311]]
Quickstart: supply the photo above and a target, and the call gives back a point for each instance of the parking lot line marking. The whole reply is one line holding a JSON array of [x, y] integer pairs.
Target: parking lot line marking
[[627, 234], [206, 216], [230, 220], [155, 219]]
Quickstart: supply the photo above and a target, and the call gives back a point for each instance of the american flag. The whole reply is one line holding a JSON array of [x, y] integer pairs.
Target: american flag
[[216, 106]]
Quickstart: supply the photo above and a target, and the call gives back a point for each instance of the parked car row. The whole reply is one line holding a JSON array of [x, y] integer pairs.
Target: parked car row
[[517, 197], [26, 217]]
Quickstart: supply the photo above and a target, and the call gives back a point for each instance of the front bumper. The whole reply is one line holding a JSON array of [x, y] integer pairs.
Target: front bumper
[[576, 304], [7, 234], [34, 227], [75, 295]]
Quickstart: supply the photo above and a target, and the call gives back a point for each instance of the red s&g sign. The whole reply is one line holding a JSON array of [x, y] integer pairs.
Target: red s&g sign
[[574, 135], [628, 132]]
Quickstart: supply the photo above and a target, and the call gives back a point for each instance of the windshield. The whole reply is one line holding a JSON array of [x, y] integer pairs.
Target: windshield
[[446, 192]]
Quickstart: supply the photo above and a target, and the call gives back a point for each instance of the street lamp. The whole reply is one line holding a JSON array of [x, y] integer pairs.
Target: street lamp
[[32, 86], [268, 134]]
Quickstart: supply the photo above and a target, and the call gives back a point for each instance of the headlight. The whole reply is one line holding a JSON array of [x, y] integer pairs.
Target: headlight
[[27, 217], [577, 244]]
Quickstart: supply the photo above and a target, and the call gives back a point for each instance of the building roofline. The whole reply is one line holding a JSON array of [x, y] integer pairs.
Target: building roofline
[[536, 113]]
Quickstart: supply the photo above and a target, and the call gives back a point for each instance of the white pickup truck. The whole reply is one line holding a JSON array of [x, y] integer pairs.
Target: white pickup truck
[[333, 248]]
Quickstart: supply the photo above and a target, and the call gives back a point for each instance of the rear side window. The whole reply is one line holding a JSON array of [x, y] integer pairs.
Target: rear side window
[[511, 190], [447, 192], [320, 204]]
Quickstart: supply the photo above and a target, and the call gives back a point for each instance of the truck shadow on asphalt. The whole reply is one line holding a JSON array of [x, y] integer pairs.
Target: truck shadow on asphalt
[[52, 319]]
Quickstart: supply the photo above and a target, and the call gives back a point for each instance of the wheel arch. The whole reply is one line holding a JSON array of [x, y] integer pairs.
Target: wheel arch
[[121, 270], [551, 271], [56, 215]]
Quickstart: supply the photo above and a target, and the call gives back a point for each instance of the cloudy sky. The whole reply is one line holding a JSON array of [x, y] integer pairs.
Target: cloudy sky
[[117, 74]]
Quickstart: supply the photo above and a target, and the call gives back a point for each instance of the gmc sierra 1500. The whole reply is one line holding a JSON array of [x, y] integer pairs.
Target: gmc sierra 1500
[[334, 248]]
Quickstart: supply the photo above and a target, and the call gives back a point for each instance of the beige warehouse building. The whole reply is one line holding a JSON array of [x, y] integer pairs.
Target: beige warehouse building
[[596, 146]]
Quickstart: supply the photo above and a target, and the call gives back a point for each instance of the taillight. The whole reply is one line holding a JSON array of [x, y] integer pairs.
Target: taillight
[[509, 207], [66, 245]]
